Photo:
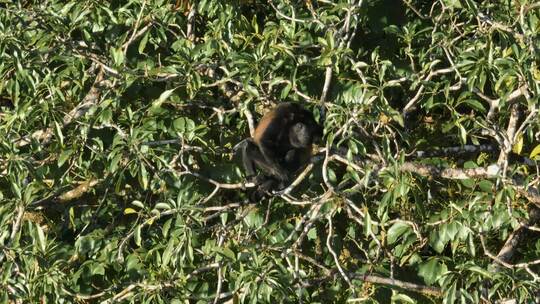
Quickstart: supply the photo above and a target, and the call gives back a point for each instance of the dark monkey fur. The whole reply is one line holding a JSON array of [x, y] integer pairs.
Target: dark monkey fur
[[281, 145]]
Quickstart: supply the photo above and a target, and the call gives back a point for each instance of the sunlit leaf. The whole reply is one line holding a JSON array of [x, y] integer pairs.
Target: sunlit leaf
[[130, 211], [137, 236], [535, 152], [518, 145], [41, 239]]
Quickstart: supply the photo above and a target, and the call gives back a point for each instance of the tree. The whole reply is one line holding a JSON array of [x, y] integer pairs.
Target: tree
[[118, 122]]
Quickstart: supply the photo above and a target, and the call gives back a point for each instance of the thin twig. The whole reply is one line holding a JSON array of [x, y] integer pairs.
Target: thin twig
[[336, 259], [134, 33]]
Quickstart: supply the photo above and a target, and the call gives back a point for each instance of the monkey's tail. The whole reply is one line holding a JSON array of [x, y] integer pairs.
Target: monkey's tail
[[264, 188]]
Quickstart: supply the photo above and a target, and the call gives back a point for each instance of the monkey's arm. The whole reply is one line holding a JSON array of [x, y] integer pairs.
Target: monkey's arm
[[272, 163], [259, 156], [252, 159], [297, 158]]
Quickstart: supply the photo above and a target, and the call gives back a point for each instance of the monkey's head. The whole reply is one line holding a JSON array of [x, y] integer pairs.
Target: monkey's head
[[305, 133]]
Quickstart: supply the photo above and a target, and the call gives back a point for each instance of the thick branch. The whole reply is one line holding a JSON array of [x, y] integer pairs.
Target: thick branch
[[517, 237], [450, 173], [427, 290]]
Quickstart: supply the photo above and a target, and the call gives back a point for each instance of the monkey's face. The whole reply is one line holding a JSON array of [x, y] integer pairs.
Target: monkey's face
[[304, 134], [300, 135]]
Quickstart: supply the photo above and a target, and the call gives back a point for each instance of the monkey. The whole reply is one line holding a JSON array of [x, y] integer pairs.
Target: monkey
[[280, 146]]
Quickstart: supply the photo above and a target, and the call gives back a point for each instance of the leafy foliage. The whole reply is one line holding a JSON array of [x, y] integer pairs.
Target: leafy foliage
[[118, 180]]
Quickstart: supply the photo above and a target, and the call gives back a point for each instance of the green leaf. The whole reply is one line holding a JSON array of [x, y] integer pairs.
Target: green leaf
[[367, 225], [129, 211], [285, 91], [535, 152], [332, 175], [396, 231], [58, 133], [471, 246], [475, 104], [64, 156], [137, 236], [518, 145], [224, 217], [402, 298], [16, 189], [162, 98], [167, 254], [114, 162], [179, 124], [463, 134], [42, 240], [143, 42], [452, 229], [330, 39], [138, 204], [486, 186], [132, 263], [451, 294], [166, 227], [228, 253], [254, 219], [118, 56], [97, 269], [481, 271], [437, 241], [163, 206], [143, 177], [312, 234], [432, 270]]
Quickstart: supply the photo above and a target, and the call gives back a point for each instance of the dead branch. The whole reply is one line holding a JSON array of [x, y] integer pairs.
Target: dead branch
[[507, 252], [495, 258], [453, 151], [450, 173], [423, 289], [508, 141], [191, 23]]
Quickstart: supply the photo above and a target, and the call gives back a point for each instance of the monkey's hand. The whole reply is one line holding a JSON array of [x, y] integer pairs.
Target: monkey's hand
[[283, 177], [257, 179]]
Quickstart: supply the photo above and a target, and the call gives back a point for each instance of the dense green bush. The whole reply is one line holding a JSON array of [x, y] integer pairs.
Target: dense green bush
[[118, 180]]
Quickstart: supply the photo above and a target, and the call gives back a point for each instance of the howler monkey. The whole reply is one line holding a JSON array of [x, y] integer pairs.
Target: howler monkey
[[281, 145]]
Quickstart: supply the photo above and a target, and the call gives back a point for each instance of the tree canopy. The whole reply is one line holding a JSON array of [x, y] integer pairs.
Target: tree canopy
[[119, 180]]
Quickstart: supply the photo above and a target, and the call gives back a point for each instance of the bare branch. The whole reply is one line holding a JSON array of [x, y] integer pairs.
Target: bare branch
[[506, 253], [453, 151], [414, 10], [409, 106], [326, 86], [297, 181], [282, 15], [509, 265], [336, 259], [136, 34], [427, 290], [191, 23], [450, 173], [509, 138]]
